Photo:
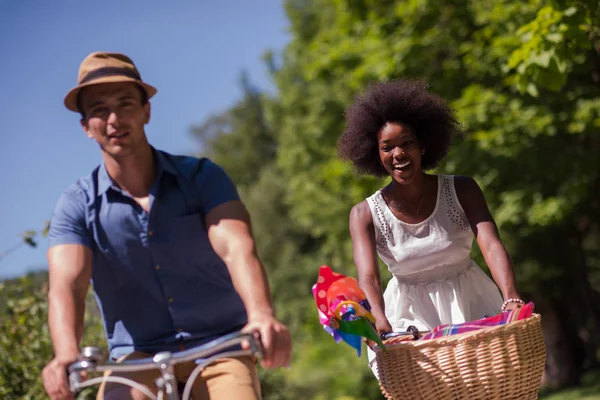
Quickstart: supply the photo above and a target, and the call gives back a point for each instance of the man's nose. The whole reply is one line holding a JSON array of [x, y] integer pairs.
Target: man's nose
[[113, 118]]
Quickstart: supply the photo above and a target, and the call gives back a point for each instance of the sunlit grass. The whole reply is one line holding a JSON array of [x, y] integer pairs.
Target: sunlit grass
[[589, 390]]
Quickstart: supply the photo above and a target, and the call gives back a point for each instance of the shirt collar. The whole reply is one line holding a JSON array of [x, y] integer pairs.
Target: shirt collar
[[163, 163]]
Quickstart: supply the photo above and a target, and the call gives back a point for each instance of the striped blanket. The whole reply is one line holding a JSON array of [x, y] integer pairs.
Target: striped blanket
[[502, 318]]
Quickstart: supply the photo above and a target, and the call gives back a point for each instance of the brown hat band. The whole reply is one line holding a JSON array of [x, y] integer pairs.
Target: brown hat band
[[110, 71]]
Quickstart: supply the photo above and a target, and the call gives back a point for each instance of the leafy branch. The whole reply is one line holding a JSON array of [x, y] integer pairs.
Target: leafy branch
[[28, 239]]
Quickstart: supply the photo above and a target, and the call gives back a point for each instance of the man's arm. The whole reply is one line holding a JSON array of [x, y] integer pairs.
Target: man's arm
[[69, 268], [230, 234]]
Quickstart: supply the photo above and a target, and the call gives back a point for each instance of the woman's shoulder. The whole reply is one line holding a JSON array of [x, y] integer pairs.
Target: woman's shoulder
[[361, 213], [468, 192], [464, 184], [361, 208]]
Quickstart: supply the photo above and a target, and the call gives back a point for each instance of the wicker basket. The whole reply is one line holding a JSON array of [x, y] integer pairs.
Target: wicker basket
[[502, 362]]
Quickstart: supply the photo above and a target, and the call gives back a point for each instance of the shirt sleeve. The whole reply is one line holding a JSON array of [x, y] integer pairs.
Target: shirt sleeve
[[216, 187], [67, 224]]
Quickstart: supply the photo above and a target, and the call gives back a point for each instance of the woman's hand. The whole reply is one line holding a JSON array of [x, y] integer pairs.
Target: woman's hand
[[513, 303], [383, 326], [513, 306]]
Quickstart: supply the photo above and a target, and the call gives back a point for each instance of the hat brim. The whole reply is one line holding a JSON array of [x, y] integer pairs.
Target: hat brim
[[71, 97]]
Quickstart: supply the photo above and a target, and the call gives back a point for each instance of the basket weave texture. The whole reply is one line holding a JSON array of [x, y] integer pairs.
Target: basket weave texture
[[501, 362]]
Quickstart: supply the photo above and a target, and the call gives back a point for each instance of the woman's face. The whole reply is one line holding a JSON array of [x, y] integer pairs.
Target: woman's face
[[399, 152]]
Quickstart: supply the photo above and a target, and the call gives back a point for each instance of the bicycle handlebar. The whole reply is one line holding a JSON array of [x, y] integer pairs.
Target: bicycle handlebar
[[93, 360], [411, 331]]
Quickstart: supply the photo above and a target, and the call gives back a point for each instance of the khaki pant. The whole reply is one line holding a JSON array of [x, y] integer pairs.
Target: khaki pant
[[228, 378]]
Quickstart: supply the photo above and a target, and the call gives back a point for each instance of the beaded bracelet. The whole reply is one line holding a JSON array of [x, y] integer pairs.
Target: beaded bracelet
[[518, 301]]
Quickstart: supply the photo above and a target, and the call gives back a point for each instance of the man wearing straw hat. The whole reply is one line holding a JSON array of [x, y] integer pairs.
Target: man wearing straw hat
[[166, 241]]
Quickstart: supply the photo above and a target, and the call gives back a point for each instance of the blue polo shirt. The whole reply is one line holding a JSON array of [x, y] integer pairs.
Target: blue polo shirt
[[157, 280]]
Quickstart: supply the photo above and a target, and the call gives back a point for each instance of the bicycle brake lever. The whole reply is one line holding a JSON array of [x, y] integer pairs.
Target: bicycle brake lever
[[255, 343]]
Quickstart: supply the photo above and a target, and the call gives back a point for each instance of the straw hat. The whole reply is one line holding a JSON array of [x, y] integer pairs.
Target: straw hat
[[103, 67]]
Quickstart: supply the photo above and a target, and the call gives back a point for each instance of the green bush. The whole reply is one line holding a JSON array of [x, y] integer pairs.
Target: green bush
[[25, 345]]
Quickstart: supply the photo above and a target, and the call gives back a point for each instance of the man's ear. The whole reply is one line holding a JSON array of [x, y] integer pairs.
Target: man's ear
[[84, 126], [147, 110]]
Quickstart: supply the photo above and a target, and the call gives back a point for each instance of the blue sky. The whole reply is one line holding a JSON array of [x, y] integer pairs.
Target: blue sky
[[192, 51]]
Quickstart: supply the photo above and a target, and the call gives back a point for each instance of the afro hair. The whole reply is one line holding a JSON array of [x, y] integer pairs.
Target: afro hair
[[401, 101]]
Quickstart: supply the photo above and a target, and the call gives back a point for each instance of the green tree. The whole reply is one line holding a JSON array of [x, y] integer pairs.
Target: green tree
[[524, 77]]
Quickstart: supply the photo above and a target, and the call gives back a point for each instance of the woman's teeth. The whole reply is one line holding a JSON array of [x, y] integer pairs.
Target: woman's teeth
[[403, 165]]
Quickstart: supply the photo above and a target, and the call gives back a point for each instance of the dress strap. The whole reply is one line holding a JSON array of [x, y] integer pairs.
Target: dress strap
[[454, 209], [381, 228]]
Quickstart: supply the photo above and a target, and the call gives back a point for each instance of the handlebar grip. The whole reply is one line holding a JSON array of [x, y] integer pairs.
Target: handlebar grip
[[411, 330]]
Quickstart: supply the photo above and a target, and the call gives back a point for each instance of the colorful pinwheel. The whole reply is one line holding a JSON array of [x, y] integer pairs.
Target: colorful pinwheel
[[343, 309]]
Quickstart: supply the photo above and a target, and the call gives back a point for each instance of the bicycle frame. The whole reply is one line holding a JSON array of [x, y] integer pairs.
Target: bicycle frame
[[92, 360]]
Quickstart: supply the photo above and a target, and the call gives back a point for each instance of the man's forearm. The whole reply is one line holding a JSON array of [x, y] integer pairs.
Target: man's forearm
[[250, 281], [65, 319]]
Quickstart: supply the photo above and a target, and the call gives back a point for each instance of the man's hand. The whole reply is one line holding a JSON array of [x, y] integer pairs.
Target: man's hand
[[275, 338], [54, 377]]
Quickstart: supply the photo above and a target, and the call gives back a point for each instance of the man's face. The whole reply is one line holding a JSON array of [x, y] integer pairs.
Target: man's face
[[115, 117]]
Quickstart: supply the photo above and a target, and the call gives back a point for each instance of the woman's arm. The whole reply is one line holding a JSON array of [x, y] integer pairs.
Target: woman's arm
[[485, 230], [362, 232]]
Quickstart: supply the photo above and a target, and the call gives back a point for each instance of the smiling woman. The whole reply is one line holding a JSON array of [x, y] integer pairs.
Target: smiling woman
[[420, 225], [404, 102]]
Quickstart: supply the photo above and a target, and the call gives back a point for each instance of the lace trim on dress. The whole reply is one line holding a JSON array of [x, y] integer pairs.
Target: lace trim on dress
[[384, 235], [454, 213]]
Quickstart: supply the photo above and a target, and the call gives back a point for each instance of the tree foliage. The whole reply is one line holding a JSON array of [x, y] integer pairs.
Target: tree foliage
[[25, 346], [524, 77]]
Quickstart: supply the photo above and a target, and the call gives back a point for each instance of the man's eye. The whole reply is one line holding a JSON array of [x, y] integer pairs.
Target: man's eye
[[98, 110]]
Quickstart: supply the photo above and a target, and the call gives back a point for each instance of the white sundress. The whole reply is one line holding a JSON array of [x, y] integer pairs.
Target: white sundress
[[434, 280]]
